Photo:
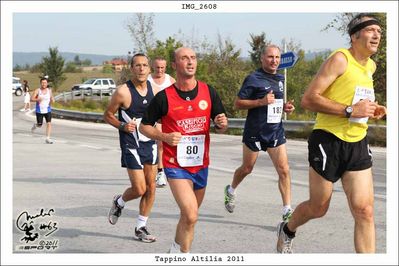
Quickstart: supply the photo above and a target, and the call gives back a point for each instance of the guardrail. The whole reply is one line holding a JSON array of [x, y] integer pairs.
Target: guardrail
[[81, 94], [374, 131]]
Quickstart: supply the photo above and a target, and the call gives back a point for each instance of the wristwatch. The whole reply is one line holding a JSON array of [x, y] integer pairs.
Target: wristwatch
[[122, 126], [348, 111]]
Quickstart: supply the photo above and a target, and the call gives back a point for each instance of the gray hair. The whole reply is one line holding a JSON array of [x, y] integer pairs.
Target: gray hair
[[265, 47]]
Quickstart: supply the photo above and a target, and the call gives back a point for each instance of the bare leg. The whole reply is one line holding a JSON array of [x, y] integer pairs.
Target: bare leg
[[137, 185], [147, 200], [320, 191], [358, 187], [280, 160], [188, 201], [48, 129], [248, 161]]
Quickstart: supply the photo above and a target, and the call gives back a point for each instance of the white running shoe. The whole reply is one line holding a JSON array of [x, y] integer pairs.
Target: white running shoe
[[284, 242], [49, 141], [160, 179]]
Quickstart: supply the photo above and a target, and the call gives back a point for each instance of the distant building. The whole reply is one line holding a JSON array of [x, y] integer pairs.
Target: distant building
[[117, 64]]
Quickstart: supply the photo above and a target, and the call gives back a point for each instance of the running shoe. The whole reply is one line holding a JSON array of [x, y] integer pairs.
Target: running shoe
[[161, 179], [229, 200], [49, 141], [115, 211], [142, 234], [174, 248], [284, 242], [287, 215]]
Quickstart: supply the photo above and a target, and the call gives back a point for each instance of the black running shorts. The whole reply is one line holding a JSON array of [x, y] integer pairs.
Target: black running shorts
[[330, 156], [39, 118]]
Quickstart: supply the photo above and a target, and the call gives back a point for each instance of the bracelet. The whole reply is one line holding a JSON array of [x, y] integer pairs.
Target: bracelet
[[122, 126]]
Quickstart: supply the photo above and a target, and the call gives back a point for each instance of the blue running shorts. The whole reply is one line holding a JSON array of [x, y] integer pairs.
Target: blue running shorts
[[200, 179]]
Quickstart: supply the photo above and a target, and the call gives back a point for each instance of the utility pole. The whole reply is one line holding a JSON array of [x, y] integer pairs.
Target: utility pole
[[285, 80]]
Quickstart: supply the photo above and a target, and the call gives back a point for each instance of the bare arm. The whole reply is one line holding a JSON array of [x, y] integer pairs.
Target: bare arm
[[34, 96], [221, 123], [52, 100], [117, 101], [313, 100], [153, 133]]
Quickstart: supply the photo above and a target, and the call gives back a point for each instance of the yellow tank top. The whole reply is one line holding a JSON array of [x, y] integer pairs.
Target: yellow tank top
[[356, 83]]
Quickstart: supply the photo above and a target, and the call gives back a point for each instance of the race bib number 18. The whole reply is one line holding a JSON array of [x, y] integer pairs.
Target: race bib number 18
[[190, 150], [274, 111]]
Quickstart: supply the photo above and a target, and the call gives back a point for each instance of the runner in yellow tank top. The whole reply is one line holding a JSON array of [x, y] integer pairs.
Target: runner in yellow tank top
[[342, 94], [358, 83]]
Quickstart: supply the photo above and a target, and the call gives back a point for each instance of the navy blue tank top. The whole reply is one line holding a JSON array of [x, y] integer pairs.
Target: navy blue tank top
[[136, 111]]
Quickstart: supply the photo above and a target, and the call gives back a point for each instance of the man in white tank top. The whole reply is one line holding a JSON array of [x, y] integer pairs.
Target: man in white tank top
[[43, 98], [160, 80]]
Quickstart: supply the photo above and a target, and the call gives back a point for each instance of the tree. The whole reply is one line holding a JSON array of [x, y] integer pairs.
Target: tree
[[141, 28], [257, 43], [291, 45], [223, 69], [72, 68], [53, 66], [76, 60], [86, 62], [36, 68], [340, 24], [165, 50], [17, 68]]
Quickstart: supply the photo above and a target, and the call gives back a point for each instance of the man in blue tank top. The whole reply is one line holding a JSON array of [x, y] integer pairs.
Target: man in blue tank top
[[139, 153], [262, 94]]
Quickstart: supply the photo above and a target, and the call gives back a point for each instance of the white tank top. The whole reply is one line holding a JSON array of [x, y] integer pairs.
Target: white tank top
[[166, 83], [44, 106]]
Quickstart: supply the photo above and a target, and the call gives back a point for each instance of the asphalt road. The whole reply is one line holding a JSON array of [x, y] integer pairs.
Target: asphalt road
[[74, 180]]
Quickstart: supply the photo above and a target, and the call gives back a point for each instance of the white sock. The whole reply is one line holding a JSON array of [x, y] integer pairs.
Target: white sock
[[141, 221], [175, 248], [286, 208], [231, 190], [121, 202]]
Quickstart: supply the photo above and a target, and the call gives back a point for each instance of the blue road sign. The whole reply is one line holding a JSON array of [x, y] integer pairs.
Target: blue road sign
[[287, 60]]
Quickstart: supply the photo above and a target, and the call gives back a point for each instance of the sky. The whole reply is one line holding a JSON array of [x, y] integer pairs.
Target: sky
[[106, 33]]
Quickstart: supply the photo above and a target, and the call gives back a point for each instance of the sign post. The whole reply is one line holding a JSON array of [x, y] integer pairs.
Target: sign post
[[287, 60]]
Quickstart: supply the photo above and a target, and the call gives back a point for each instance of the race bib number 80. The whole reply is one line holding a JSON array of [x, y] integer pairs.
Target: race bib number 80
[[190, 150]]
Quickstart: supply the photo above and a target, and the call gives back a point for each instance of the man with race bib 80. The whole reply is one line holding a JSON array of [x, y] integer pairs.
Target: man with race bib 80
[[262, 94], [185, 109]]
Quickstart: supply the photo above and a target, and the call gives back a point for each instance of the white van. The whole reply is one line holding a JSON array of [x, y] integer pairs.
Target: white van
[[16, 86]]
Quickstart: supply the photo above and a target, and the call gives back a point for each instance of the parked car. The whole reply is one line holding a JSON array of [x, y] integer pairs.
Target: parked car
[[96, 86], [16, 86]]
